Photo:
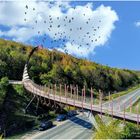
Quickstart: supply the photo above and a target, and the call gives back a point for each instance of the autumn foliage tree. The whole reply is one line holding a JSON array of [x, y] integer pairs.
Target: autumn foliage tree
[[49, 67]]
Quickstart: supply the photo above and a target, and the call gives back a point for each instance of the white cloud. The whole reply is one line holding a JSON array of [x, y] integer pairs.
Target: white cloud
[[83, 27], [137, 23], [74, 49]]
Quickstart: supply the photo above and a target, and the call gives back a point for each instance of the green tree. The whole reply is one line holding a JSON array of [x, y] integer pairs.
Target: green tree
[[3, 68], [56, 75], [110, 131], [130, 131], [53, 67], [4, 85], [3, 88]]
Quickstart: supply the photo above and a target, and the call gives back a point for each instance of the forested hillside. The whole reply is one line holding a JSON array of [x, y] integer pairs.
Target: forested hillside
[[48, 67]]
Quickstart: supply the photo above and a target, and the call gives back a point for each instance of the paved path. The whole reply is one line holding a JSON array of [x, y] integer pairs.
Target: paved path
[[124, 101], [120, 102], [14, 82], [78, 127]]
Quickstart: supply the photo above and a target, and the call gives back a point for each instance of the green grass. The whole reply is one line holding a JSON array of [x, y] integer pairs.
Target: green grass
[[115, 95], [134, 107]]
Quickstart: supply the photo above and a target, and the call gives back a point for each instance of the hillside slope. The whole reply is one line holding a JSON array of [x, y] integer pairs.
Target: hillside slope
[[47, 67]]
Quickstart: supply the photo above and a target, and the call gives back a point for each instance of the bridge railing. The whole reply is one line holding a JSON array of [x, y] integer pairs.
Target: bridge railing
[[68, 91], [78, 101]]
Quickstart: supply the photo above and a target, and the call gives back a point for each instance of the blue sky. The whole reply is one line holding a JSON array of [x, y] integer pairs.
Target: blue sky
[[118, 49], [122, 49]]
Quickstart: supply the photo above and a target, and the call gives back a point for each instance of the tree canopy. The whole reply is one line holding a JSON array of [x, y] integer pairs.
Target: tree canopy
[[49, 67]]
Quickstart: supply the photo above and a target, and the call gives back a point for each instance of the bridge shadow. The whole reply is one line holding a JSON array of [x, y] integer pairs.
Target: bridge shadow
[[81, 122]]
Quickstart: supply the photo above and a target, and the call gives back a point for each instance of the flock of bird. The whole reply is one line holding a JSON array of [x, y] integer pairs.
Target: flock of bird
[[62, 36]]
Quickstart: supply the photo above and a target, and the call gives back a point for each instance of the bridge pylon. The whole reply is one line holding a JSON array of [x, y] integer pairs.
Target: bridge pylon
[[25, 74]]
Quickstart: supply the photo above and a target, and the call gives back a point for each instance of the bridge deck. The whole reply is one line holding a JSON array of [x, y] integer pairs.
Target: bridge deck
[[37, 90]]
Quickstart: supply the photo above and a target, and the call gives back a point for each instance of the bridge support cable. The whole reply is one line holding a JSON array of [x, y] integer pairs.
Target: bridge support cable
[[101, 103], [119, 103], [131, 105], [60, 93], [138, 115], [30, 103], [77, 92], [35, 91], [44, 101], [48, 93], [54, 90], [71, 91], [109, 101], [100, 94], [67, 95], [124, 112], [84, 94], [82, 99], [112, 106], [91, 97], [65, 90], [37, 104], [74, 95]]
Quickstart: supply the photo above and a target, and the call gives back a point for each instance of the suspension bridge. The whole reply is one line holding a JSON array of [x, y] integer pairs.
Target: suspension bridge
[[65, 97]]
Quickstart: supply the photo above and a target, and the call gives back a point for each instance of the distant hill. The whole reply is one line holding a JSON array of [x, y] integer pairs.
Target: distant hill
[[138, 73], [49, 67]]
